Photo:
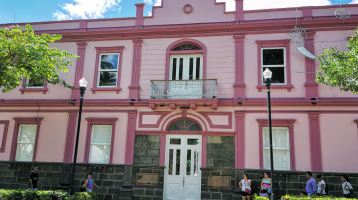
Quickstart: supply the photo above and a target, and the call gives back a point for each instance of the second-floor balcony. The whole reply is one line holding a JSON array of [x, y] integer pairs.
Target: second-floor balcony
[[184, 89]]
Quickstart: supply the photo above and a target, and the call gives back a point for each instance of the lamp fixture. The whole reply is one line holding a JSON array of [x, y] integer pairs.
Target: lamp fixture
[[71, 103], [162, 105], [313, 99], [205, 105], [239, 99], [73, 99], [83, 82], [267, 74], [131, 103], [314, 103], [132, 99]]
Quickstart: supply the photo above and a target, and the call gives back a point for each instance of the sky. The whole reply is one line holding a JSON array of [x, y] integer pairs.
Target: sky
[[20, 11]]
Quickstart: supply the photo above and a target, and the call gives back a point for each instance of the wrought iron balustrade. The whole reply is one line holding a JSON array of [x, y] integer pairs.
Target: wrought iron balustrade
[[184, 89]]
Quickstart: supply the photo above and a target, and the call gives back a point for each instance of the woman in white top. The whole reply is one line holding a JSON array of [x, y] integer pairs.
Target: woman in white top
[[346, 186], [321, 186], [245, 185]]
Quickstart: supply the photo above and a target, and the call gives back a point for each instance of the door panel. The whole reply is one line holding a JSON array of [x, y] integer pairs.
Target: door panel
[[186, 67], [182, 178]]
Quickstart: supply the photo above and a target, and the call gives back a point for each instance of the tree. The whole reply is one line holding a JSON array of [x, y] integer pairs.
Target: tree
[[24, 54], [340, 69]]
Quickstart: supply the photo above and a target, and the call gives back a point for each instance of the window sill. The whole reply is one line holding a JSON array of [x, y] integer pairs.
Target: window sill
[[43, 90], [95, 89], [288, 87]]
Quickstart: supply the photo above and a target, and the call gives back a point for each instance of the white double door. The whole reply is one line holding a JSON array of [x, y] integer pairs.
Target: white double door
[[182, 175], [184, 71]]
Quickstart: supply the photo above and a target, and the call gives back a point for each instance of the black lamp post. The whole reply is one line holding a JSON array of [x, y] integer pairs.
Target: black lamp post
[[83, 83], [267, 76]]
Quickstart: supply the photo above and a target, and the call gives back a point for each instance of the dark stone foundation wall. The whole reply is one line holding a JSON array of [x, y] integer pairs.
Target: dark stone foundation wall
[[220, 152], [146, 150], [286, 182]]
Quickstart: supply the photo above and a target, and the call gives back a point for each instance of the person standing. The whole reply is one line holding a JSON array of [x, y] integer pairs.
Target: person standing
[[321, 186], [34, 177], [245, 185], [346, 186], [90, 183], [310, 185], [266, 184]]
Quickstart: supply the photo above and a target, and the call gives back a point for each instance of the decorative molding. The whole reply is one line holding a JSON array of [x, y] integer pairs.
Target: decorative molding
[[18, 122], [137, 54], [278, 123], [188, 8], [99, 121], [211, 125], [141, 114], [4, 136], [83, 25], [178, 116], [307, 12], [173, 106], [203, 150], [152, 106], [239, 12], [132, 120], [80, 62], [71, 135], [139, 15], [163, 139], [25, 89], [311, 87], [99, 51], [207, 133], [315, 141], [239, 85], [274, 43], [185, 41], [240, 139], [193, 106]]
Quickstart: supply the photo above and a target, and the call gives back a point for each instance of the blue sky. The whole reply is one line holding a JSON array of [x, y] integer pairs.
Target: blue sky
[[51, 10]]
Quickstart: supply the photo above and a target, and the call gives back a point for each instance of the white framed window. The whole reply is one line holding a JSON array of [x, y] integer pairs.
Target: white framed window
[[186, 67], [100, 146], [108, 70], [26, 142], [281, 148], [275, 60], [31, 83]]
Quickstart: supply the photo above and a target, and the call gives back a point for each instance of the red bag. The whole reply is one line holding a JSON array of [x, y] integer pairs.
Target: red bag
[[247, 191]]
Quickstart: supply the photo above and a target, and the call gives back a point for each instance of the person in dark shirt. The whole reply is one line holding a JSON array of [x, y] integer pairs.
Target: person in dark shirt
[[83, 187], [34, 177]]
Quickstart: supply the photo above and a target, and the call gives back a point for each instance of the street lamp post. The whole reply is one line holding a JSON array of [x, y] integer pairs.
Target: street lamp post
[[267, 76], [83, 84]]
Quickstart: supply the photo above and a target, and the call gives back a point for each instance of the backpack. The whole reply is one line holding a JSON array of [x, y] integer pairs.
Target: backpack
[[350, 191], [326, 189]]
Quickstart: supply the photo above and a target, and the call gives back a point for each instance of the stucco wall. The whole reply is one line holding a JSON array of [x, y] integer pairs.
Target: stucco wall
[[339, 142]]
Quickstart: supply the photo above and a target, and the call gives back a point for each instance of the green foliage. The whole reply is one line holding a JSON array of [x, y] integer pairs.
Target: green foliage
[[340, 69], [24, 54], [44, 195], [292, 197]]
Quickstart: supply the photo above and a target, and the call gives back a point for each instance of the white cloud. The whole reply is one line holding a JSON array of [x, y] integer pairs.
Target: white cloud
[[149, 13], [354, 1], [119, 9], [148, 1], [158, 2], [60, 16], [85, 9], [268, 4]]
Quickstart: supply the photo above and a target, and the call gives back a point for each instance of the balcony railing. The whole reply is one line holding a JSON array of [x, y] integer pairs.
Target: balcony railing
[[184, 89]]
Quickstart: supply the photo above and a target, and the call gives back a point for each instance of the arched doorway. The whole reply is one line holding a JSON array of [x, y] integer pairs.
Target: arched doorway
[[182, 179]]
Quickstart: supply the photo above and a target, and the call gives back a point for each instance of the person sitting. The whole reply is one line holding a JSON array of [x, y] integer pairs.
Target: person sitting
[[266, 184], [83, 187]]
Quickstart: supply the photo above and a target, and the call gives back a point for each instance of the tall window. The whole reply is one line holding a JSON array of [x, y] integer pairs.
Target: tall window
[[274, 59], [26, 142], [281, 148], [100, 146], [33, 83], [186, 67], [108, 70]]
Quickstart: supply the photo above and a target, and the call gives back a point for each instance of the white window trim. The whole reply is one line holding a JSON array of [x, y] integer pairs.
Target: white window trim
[[18, 138], [273, 148], [27, 84], [268, 66], [103, 144], [107, 70]]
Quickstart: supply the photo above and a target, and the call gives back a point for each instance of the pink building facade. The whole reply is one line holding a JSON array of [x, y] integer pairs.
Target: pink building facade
[[176, 101]]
